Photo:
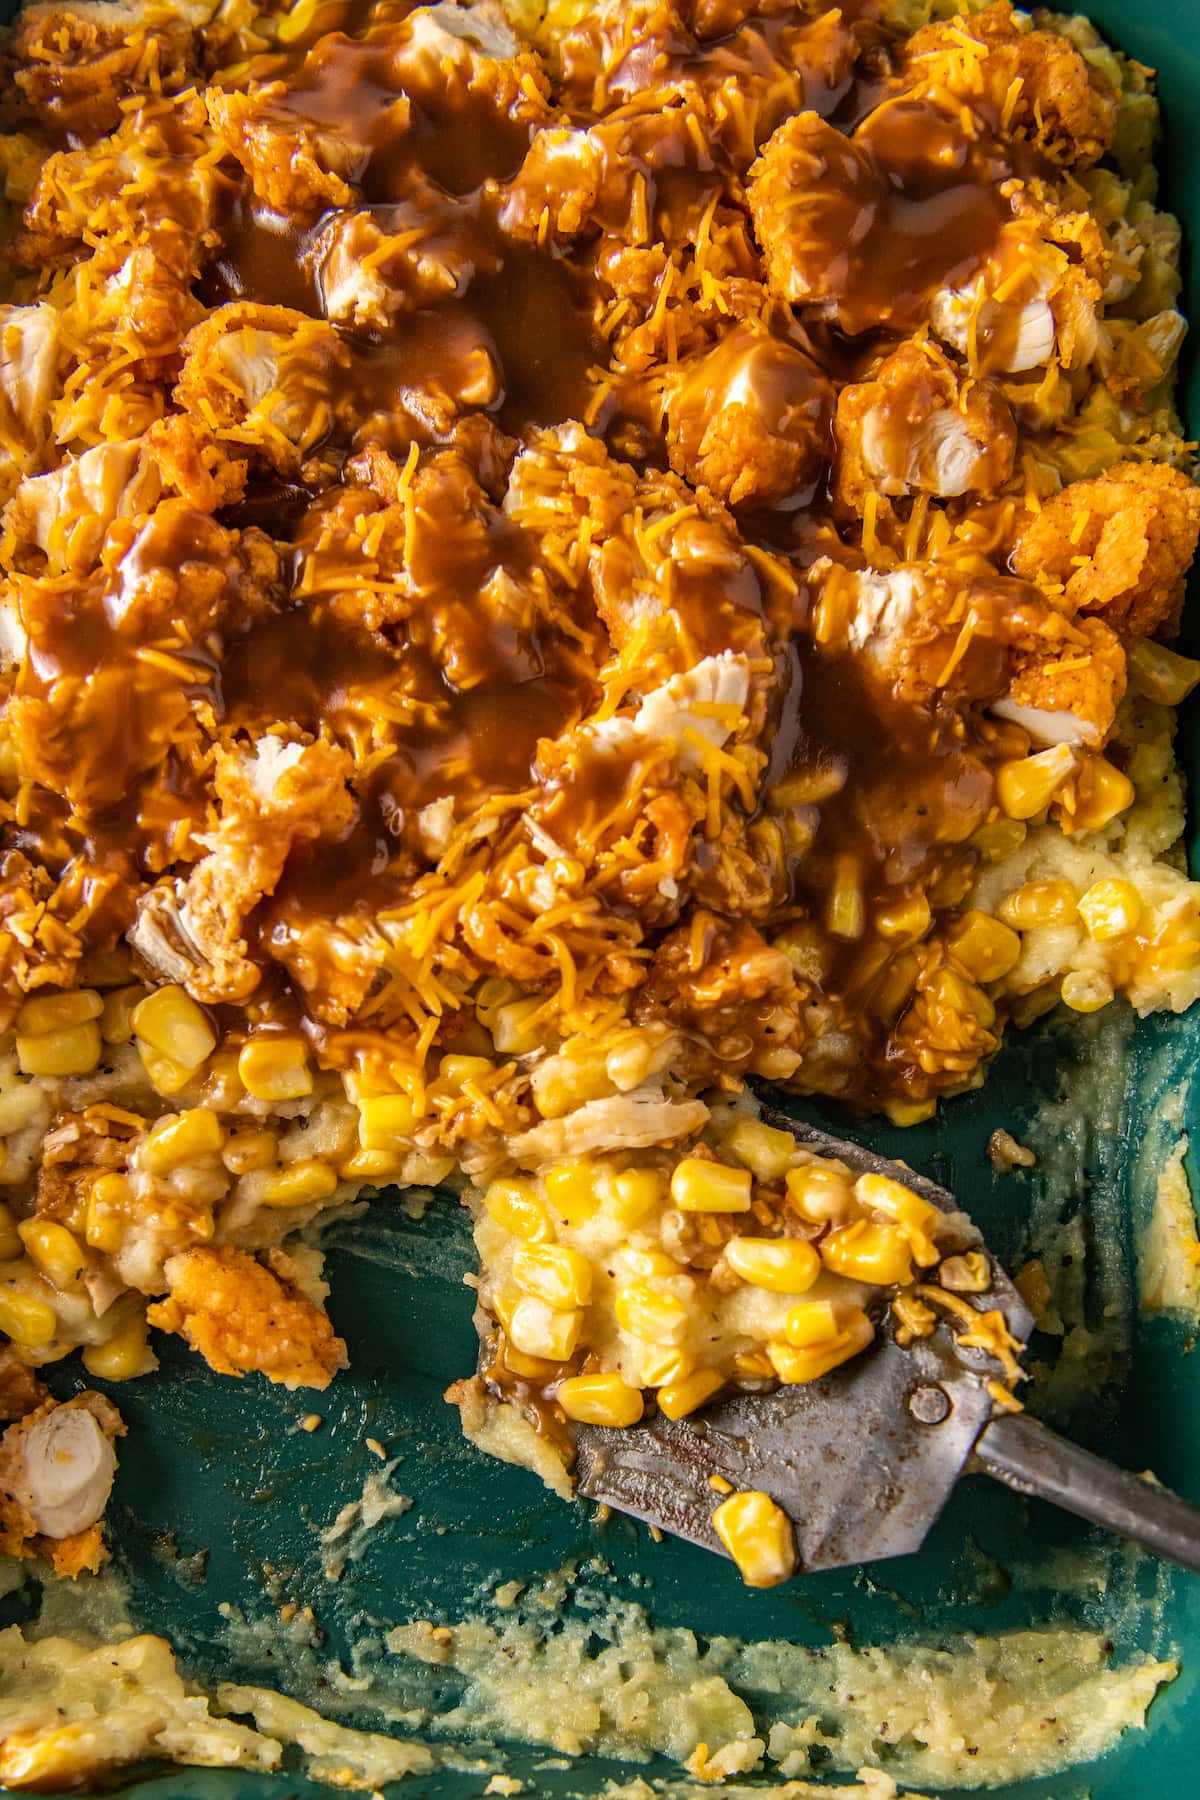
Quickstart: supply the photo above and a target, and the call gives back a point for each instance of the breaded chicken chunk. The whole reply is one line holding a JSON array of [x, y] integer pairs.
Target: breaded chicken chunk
[[372, 263], [933, 638], [921, 425], [57, 1464], [295, 168], [75, 64], [1033, 84], [271, 799], [1119, 545], [241, 1317], [265, 377], [749, 419], [812, 190]]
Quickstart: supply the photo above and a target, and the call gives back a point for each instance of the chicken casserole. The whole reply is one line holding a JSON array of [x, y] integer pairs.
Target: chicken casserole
[[556, 560]]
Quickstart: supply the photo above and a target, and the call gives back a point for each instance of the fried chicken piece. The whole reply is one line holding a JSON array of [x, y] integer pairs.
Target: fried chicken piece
[[749, 419], [943, 1035], [1062, 104], [813, 195], [743, 86], [31, 355], [20, 1390], [932, 638], [66, 513], [724, 983], [376, 262], [270, 800], [1071, 697], [241, 1317], [920, 425], [1035, 295], [76, 64], [57, 1464], [1119, 545], [296, 168], [191, 460], [150, 185], [266, 377]]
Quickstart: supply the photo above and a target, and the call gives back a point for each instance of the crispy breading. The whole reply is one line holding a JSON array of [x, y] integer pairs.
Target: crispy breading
[[724, 983], [269, 801], [23, 1504], [749, 419], [20, 1390], [811, 187], [1119, 545], [242, 1318], [265, 377], [294, 167], [1034, 82], [921, 425], [75, 65]]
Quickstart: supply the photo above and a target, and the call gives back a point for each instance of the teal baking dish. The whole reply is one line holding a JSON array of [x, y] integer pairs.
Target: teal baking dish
[[220, 1493]]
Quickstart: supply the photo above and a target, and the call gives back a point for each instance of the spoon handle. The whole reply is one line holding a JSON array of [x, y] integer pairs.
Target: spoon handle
[[1027, 1456]]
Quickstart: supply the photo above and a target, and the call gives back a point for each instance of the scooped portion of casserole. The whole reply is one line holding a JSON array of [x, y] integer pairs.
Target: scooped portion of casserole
[[553, 560]]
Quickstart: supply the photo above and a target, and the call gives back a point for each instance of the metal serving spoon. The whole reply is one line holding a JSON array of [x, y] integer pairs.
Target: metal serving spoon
[[863, 1460]]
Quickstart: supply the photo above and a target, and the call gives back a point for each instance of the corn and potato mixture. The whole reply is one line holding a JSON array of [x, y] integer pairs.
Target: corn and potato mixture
[[554, 559]]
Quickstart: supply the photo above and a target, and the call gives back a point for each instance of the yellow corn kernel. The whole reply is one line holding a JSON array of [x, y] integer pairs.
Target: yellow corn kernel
[[553, 1273], [866, 1251], [821, 1195], [116, 1020], [24, 1318], [275, 1068], [909, 1112], [181, 1138], [166, 1077], [453, 1071], [246, 1150], [1102, 794], [386, 1122], [679, 1398], [75, 1050], [1038, 903], [599, 1400], [571, 1192], [1110, 909], [845, 911], [763, 1149], [629, 1196], [1160, 674], [123, 1356], [10, 1243], [300, 1184], [904, 921], [758, 1536], [1086, 991], [970, 1273], [516, 1204], [784, 1265], [530, 1368], [664, 1365], [998, 838], [515, 1028], [917, 1219], [699, 1185], [651, 1313], [109, 1207], [818, 1338], [1026, 787], [987, 949], [541, 1330], [55, 1251], [372, 1165], [171, 1023], [753, 1365], [58, 1012]]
